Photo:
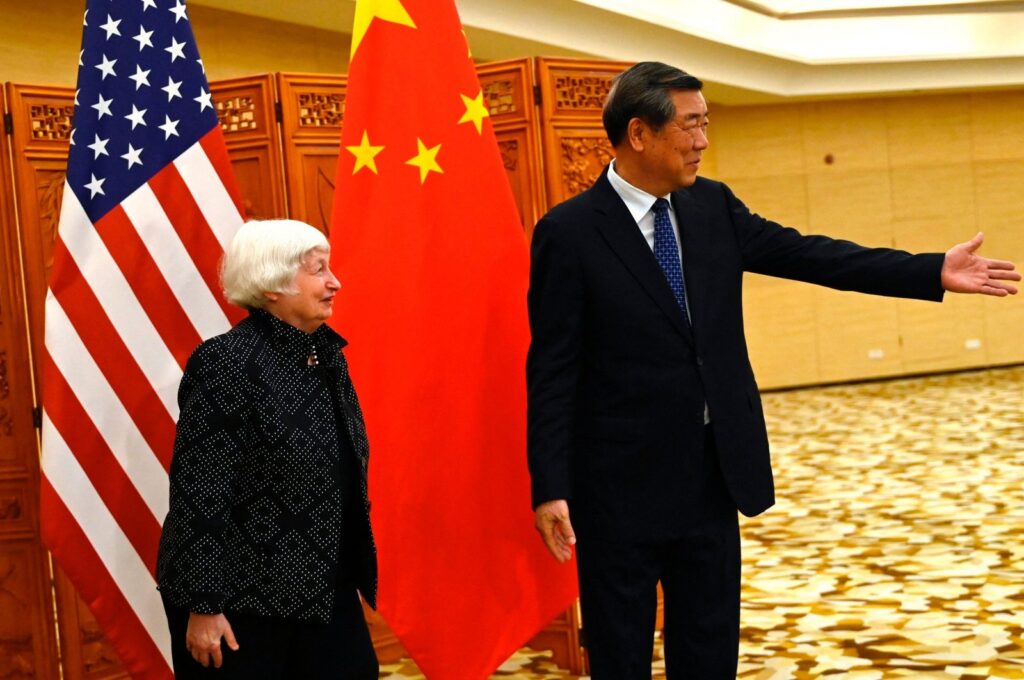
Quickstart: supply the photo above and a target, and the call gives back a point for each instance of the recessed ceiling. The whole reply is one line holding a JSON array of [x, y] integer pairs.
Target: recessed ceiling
[[796, 9]]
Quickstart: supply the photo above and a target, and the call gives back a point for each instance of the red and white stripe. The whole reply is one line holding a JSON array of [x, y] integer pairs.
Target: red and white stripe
[[130, 298]]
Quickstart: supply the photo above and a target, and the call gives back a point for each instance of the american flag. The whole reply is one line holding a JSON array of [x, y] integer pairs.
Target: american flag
[[149, 204]]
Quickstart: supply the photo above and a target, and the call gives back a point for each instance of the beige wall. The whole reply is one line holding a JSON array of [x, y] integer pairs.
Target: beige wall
[[919, 173], [39, 43]]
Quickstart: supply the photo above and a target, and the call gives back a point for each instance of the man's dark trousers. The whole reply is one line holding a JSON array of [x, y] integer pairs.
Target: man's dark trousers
[[699, 570]]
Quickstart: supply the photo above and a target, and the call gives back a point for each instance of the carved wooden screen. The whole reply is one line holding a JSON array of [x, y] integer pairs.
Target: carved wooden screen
[[40, 120], [28, 645], [40, 127], [508, 88], [245, 108], [575, 147], [312, 107]]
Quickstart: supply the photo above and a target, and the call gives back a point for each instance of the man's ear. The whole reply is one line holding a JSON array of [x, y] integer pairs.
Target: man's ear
[[636, 134]]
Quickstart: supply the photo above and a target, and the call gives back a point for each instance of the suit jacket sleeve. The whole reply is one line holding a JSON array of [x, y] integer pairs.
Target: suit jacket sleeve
[[556, 302], [771, 249], [208, 448]]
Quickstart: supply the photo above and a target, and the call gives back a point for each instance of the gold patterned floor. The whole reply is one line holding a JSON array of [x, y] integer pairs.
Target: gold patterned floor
[[896, 548]]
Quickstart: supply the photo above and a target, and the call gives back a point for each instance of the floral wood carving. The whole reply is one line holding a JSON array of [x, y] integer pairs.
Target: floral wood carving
[[583, 158], [500, 97], [319, 109], [509, 154], [6, 426], [237, 114], [10, 509], [16, 648], [97, 654], [581, 92], [16, 658], [50, 191], [50, 122]]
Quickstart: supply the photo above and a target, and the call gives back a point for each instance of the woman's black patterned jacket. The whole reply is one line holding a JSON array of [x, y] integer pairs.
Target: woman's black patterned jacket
[[256, 504]]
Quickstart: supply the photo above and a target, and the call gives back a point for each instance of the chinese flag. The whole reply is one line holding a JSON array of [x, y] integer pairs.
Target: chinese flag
[[434, 266]]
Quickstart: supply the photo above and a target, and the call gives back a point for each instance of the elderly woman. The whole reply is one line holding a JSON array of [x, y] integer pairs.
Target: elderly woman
[[268, 538]]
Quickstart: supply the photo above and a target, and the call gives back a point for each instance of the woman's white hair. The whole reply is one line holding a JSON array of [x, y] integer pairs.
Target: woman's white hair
[[264, 257]]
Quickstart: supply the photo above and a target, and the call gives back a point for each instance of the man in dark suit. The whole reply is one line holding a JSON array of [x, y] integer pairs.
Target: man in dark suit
[[645, 426]]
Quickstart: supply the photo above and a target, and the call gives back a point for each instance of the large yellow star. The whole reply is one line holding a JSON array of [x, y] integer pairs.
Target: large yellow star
[[475, 111], [365, 154], [385, 10], [426, 160]]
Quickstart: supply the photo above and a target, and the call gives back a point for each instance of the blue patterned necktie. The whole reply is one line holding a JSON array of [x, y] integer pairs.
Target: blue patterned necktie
[[667, 253]]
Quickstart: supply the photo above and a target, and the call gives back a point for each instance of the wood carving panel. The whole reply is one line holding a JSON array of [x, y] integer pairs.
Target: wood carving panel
[[17, 510], [575, 148], [245, 109], [500, 96], [237, 113], [511, 145], [40, 120], [50, 121], [508, 94], [320, 109], [252, 170], [312, 112], [580, 92], [39, 209], [583, 156], [27, 648], [6, 428], [318, 188], [87, 654], [40, 123]]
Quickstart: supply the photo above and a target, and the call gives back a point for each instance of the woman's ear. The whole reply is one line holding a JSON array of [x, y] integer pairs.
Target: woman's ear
[[272, 297]]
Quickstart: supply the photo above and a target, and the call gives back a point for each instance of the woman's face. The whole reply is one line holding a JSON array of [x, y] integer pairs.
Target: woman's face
[[313, 301]]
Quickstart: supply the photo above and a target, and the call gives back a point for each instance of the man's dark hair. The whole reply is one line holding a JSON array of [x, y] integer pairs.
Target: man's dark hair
[[644, 91]]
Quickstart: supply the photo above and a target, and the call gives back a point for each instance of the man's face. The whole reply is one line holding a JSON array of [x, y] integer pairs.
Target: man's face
[[671, 155]]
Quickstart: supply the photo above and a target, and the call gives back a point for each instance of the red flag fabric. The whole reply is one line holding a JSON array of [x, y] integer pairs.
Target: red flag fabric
[[434, 267], [148, 205]]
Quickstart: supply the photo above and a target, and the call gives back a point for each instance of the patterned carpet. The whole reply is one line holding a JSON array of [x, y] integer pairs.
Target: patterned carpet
[[896, 549]]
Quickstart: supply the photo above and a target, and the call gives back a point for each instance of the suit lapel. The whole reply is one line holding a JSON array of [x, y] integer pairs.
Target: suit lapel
[[695, 232], [617, 227]]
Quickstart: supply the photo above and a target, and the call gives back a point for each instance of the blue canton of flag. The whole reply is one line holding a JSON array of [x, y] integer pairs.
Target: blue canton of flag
[[142, 98]]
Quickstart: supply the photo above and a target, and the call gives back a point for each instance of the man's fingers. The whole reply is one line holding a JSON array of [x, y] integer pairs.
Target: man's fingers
[[565, 531], [547, 533], [999, 264], [975, 242], [555, 540], [1004, 274], [998, 289]]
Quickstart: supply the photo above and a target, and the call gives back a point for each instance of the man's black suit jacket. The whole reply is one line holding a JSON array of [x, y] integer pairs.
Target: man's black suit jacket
[[617, 378]]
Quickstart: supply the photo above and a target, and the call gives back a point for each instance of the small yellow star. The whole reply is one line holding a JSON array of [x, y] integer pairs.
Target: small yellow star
[[425, 160], [368, 10], [365, 154], [475, 111]]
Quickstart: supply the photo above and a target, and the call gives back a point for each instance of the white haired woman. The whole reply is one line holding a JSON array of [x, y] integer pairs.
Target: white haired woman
[[268, 538]]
